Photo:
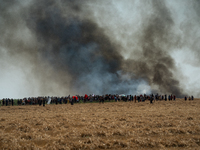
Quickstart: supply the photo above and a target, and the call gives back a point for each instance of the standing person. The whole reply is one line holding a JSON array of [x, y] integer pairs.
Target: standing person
[[75, 99], [3, 102], [103, 99], [72, 101], [56, 101], [169, 97], [174, 97], [115, 97], [86, 98], [12, 101], [40, 101], [100, 100], [151, 99], [68, 99], [155, 97], [185, 98], [44, 99], [192, 97], [61, 100], [165, 97], [6, 102], [131, 97], [135, 98]]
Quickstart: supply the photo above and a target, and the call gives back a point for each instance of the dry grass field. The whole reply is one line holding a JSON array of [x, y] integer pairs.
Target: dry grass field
[[116, 125]]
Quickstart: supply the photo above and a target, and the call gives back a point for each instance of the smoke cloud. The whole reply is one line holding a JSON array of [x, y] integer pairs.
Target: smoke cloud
[[77, 47]]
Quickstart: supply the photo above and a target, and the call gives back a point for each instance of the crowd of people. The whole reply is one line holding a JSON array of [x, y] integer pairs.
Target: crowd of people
[[88, 98]]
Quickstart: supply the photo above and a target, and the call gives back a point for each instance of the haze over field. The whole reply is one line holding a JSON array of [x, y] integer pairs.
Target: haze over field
[[77, 47]]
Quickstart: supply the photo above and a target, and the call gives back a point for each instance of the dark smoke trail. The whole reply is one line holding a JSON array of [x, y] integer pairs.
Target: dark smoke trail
[[78, 48], [155, 64]]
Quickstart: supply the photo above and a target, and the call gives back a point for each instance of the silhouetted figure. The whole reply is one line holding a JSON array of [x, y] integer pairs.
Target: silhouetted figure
[[56, 101], [151, 99], [6, 102], [174, 97], [12, 102], [43, 102], [3, 102], [40, 102], [169, 97], [72, 101], [61, 100]]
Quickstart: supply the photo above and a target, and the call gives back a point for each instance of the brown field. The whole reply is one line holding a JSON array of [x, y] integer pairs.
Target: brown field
[[117, 125]]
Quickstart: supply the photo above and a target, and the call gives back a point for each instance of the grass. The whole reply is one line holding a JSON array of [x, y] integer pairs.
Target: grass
[[120, 125]]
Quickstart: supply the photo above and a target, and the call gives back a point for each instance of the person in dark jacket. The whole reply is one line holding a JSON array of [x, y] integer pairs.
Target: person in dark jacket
[[174, 97], [72, 101], [12, 102], [3, 102], [151, 99], [6, 102], [43, 100]]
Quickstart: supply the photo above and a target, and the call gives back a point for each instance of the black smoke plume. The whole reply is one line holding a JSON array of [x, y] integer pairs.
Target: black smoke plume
[[64, 50], [155, 64]]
